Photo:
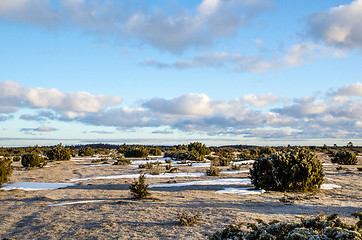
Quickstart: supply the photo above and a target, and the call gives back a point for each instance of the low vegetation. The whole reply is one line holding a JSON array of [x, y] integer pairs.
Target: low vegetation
[[345, 157], [186, 220], [6, 169], [139, 188], [33, 159], [297, 170], [59, 153], [328, 227]]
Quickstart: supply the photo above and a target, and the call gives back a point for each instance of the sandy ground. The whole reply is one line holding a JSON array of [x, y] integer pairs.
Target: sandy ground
[[27, 214]]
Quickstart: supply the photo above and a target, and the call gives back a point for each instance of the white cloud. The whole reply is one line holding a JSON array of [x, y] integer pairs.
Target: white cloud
[[74, 104], [190, 104], [340, 26], [261, 100], [296, 55], [304, 118], [350, 90], [187, 28]]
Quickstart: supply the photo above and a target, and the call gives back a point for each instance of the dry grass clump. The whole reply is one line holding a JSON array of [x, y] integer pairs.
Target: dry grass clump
[[186, 220]]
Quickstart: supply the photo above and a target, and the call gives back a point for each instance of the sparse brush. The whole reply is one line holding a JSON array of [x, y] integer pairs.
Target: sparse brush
[[320, 227], [235, 167], [168, 161], [147, 165], [168, 167], [155, 171], [213, 171], [96, 160], [122, 161], [187, 220], [139, 189]]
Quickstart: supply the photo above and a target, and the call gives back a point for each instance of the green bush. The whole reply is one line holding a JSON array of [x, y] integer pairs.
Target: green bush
[[139, 189], [345, 158], [297, 170], [186, 220], [136, 152], [86, 152], [32, 159], [59, 153], [16, 159], [6, 169], [213, 171], [155, 152], [321, 227]]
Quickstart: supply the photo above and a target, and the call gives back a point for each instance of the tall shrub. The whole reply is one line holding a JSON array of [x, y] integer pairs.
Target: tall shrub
[[297, 170], [6, 169]]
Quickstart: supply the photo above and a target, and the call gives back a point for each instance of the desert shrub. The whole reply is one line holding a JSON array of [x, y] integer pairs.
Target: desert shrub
[[86, 152], [297, 170], [122, 161], [59, 153], [139, 189], [267, 150], [213, 171], [186, 220], [235, 167], [136, 151], [345, 157], [168, 161], [32, 159], [322, 227], [155, 152], [168, 167], [221, 161], [16, 159], [6, 169]]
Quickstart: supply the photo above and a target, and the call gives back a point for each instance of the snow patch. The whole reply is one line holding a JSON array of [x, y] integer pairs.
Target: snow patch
[[33, 186], [71, 203], [240, 191], [328, 186], [225, 181]]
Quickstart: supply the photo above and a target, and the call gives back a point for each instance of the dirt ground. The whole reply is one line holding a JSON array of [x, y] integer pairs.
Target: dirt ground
[[27, 214]]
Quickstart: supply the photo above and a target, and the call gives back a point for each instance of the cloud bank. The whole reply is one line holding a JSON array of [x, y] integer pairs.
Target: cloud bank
[[193, 28], [262, 116]]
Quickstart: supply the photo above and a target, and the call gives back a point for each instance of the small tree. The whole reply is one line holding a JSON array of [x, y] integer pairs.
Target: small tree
[[32, 159], [139, 189], [6, 169], [345, 157]]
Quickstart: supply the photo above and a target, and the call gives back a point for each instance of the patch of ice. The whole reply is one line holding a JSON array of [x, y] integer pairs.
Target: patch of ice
[[71, 203], [139, 162], [225, 181], [240, 191], [328, 186], [234, 172], [332, 179], [165, 175], [33, 186], [244, 162], [101, 164], [329, 164]]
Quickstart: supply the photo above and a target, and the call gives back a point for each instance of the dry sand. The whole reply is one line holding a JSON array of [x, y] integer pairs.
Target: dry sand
[[27, 214]]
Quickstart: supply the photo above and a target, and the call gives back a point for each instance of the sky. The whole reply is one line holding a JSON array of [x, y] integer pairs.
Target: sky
[[221, 72]]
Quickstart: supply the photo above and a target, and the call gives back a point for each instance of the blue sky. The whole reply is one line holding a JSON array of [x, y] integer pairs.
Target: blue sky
[[167, 72]]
